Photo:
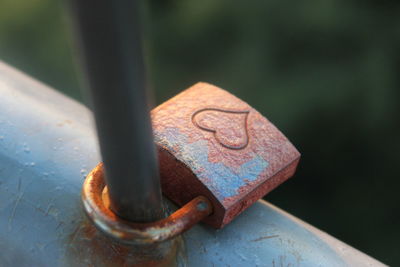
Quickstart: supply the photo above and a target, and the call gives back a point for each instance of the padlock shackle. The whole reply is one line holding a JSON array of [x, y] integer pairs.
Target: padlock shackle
[[95, 202], [109, 39]]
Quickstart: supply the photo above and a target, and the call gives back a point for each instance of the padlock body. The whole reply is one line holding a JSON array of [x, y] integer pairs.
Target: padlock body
[[213, 144]]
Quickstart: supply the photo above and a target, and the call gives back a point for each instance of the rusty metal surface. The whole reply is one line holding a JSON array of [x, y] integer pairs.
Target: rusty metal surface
[[211, 143], [47, 146], [96, 203], [90, 247]]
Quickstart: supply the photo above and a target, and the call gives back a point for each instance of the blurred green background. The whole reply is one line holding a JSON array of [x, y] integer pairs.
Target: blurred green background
[[325, 72]]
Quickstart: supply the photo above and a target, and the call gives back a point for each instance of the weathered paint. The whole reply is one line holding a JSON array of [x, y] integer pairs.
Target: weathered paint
[[222, 180], [214, 144], [42, 222]]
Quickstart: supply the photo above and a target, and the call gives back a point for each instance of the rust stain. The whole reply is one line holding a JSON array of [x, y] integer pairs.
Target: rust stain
[[91, 247], [65, 122]]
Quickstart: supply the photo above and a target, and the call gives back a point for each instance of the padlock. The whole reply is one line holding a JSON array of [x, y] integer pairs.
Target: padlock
[[212, 144], [217, 156]]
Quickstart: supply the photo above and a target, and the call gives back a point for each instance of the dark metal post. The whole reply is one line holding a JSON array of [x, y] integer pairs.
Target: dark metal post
[[110, 42]]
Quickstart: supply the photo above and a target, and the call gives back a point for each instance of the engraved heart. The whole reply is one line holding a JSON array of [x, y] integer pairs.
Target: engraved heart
[[228, 126]]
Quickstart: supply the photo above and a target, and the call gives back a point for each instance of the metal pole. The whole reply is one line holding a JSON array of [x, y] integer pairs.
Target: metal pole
[[110, 42]]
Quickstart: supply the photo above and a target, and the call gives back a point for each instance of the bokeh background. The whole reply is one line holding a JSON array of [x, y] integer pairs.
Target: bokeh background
[[324, 72]]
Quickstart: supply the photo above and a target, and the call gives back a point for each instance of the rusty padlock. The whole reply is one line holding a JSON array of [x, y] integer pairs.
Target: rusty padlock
[[213, 144], [217, 157]]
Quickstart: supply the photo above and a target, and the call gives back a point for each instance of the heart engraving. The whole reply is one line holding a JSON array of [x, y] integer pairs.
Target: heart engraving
[[228, 126]]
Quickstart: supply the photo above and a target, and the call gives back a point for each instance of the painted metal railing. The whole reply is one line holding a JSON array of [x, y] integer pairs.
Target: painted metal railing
[[47, 147]]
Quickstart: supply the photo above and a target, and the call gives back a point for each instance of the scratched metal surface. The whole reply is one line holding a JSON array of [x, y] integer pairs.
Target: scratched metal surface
[[47, 146]]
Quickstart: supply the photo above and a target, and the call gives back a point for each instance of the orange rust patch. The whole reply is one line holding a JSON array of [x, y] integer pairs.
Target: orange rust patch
[[89, 246]]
